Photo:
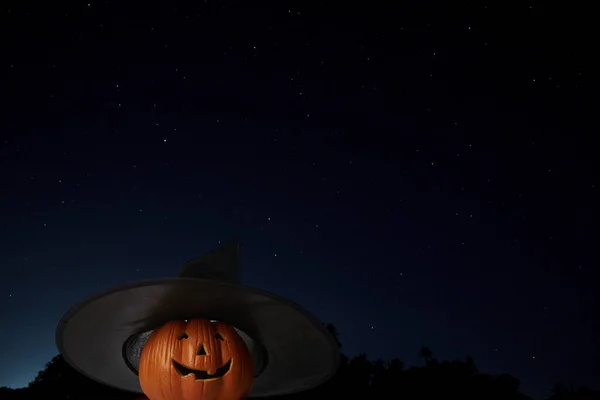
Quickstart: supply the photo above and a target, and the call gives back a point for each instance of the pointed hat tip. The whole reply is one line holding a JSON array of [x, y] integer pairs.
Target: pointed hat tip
[[234, 240], [221, 263]]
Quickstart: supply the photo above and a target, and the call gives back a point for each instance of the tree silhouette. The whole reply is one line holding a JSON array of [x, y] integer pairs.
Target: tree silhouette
[[334, 332], [13, 394], [51, 376], [356, 377], [561, 392], [426, 354], [508, 383], [470, 365], [59, 380]]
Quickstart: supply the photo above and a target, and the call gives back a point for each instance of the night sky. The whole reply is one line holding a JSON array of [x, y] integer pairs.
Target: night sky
[[425, 174]]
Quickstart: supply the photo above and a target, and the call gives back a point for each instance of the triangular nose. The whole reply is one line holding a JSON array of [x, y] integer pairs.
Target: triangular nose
[[201, 351]]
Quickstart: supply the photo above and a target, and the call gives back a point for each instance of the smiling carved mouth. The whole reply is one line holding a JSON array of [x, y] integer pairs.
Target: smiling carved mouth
[[200, 374]]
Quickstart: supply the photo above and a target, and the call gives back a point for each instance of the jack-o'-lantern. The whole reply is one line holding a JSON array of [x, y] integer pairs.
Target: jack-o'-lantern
[[196, 360]]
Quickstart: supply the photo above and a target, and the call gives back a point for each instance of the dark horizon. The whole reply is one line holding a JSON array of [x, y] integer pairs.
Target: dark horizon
[[355, 376], [422, 173]]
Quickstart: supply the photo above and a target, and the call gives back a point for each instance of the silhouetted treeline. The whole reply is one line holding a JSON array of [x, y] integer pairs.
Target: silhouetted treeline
[[357, 377]]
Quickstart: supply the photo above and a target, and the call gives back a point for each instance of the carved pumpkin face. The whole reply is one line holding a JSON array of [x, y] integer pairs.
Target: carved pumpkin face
[[196, 360]]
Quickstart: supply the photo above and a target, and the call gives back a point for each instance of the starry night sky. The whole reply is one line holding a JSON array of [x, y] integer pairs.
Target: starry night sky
[[419, 175]]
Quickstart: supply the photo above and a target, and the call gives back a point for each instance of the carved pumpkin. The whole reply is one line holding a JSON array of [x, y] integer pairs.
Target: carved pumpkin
[[196, 360]]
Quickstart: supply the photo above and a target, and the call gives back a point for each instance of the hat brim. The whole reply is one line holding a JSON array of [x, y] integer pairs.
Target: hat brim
[[301, 353]]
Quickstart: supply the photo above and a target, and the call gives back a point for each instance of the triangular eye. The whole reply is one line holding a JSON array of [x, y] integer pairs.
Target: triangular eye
[[182, 336], [219, 337], [201, 351]]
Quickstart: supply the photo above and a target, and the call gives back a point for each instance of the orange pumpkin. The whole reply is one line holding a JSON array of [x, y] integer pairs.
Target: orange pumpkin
[[196, 360]]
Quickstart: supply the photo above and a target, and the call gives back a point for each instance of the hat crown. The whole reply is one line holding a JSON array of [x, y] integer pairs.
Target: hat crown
[[220, 264]]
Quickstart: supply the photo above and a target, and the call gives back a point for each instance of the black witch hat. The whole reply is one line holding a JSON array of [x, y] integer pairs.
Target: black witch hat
[[103, 335]]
